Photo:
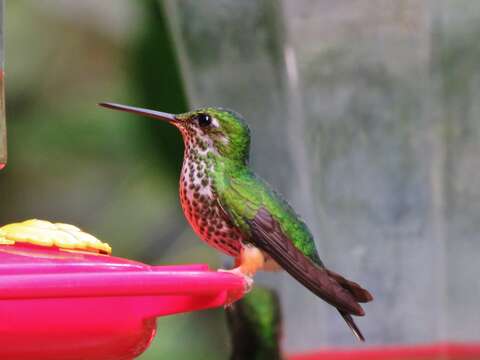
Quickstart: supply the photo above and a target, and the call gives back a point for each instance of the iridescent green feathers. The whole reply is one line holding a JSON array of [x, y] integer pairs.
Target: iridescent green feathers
[[242, 194]]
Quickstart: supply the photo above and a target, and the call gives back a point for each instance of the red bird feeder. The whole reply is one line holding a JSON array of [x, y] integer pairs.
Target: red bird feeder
[[62, 304]]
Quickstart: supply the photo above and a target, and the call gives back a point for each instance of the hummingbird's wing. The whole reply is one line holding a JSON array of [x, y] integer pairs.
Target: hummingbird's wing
[[331, 287], [273, 227], [267, 235]]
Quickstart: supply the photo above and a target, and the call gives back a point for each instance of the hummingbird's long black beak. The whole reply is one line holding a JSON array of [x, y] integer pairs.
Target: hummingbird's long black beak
[[146, 112]]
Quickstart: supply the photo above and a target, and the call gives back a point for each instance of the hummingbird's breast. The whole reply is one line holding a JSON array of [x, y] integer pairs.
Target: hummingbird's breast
[[201, 208]]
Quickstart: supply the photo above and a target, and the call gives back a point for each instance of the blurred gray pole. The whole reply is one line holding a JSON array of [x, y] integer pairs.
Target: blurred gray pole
[[3, 129], [375, 127]]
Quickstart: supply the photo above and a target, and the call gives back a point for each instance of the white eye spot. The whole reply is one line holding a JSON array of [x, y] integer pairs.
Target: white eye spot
[[215, 123]]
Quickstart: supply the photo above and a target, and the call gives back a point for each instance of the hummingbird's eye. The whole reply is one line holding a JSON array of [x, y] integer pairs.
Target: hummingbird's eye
[[204, 120]]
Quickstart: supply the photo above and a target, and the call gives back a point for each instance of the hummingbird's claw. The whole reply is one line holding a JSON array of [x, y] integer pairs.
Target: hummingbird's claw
[[247, 280]]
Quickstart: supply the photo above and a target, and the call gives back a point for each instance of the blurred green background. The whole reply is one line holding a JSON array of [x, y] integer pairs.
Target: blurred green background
[[111, 174]]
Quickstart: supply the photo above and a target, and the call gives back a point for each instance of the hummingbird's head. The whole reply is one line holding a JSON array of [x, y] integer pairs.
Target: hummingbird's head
[[216, 130], [219, 131]]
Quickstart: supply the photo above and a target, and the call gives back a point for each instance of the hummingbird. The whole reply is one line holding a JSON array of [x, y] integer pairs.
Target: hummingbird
[[255, 325], [233, 210]]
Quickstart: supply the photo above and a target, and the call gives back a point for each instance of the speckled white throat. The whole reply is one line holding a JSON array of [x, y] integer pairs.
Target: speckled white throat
[[199, 198]]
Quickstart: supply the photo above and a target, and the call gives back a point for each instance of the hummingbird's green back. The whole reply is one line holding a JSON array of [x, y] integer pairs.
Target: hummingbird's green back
[[245, 193]]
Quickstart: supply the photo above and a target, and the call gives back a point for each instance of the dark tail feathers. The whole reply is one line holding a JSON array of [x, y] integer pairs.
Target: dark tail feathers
[[360, 294], [351, 324]]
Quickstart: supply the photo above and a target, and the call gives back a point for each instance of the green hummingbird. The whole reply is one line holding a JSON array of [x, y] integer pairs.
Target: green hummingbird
[[255, 325], [236, 212]]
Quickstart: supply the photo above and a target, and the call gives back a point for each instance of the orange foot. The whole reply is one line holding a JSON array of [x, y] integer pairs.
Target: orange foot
[[249, 262]]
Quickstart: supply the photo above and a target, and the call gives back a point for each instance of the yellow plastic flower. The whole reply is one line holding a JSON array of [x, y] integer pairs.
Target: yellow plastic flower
[[44, 233]]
